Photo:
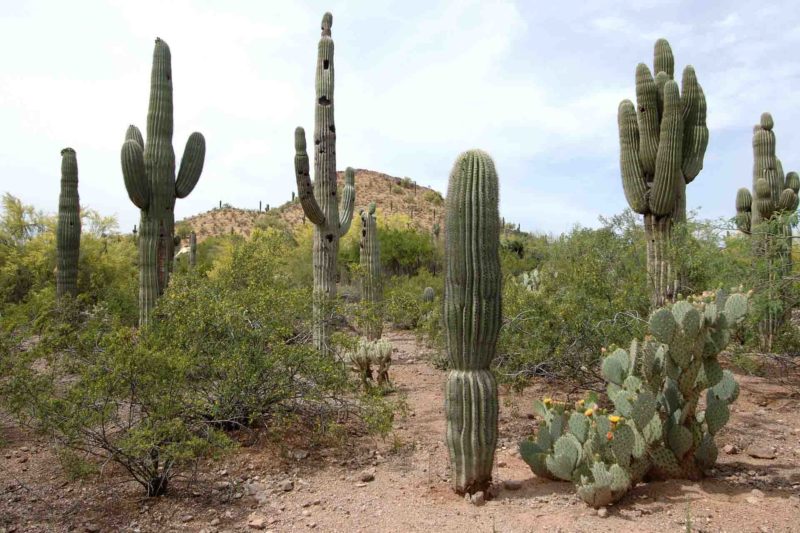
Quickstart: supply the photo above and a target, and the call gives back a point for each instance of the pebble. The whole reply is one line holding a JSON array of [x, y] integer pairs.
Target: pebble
[[501, 464], [187, 518], [602, 512], [287, 485], [730, 449], [367, 475], [478, 498], [256, 521], [214, 522], [761, 452], [512, 484]]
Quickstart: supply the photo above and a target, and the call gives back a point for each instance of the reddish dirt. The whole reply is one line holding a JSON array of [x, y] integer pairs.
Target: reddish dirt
[[410, 490]]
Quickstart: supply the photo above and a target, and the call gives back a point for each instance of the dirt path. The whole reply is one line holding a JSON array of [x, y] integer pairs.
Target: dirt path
[[410, 489]]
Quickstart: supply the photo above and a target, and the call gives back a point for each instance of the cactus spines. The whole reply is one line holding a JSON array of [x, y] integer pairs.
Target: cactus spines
[[319, 200], [192, 249], [148, 169], [472, 318], [662, 144], [371, 277], [68, 232]]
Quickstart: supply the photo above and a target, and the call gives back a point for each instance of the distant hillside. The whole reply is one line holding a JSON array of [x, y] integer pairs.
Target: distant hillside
[[392, 195]]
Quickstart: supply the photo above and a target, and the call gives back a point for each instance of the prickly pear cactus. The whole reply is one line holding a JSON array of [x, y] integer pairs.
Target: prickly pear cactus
[[532, 280], [663, 141], [472, 318], [318, 200], [149, 172], [657, 429], [68, 232], [371, 275]]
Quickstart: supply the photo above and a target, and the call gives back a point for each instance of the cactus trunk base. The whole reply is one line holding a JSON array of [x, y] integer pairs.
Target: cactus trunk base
[[471, 407], [661, 278]]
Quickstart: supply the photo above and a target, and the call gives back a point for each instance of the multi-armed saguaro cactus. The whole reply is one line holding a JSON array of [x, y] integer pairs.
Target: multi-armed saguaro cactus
[[68, 233], [775, 196], [371, 278], [319, 200], [662, 143], [472, 310], [192, 249], [149, 172]]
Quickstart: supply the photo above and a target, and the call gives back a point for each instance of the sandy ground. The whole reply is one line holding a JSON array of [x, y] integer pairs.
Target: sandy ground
[[245, 490]]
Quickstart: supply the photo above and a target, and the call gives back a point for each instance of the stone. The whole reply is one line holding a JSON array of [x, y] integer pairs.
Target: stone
[[730, 449], [299, 455], [256, 521], [512, 484], [478, 498], [187, 518], [287, 485], [602, 512], [367, 475], [761, 452], [501, 464], [214, 522], [757, 493]]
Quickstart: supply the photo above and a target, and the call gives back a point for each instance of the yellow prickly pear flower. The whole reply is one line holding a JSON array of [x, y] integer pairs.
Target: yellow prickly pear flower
[[547, 401], [589, 412], [614, 418], [581, 402]]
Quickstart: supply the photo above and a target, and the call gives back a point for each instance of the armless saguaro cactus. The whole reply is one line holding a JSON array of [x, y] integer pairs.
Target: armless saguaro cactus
[[776, 195], [371, 276], [319, 200], [68, 232], [662, 144], [149, 172], [472, 294], [192, 249]]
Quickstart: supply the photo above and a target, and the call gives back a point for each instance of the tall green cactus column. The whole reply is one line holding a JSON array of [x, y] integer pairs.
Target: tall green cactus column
[[472, 310], [192, 249], [662, 144], [371, 275], [319, 201], [765, 218], [149, 173], [68, 232]]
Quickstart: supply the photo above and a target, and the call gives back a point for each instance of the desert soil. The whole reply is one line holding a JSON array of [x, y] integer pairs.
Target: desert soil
[[273, 487]]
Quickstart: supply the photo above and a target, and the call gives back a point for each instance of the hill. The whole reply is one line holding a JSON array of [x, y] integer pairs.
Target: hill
[[423, 205]]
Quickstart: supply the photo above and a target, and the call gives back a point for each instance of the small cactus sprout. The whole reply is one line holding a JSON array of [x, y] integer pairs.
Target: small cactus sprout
[[149, 173], [68, 231], [428, 294], [318, 199], [472, 318]]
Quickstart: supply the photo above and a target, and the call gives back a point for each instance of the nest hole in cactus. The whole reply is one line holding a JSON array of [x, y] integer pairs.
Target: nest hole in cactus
[[323, 100], [329, 237], [325, 64], [332, 128]]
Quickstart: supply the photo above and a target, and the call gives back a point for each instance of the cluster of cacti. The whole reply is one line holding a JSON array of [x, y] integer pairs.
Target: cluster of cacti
[[319, 200], [532, 280], [371, 275], [663, 141], [472, 313], [766, 218], [192, 249], [656, 429], [68, 232], [428, 294], [149, 173], [368, 353]]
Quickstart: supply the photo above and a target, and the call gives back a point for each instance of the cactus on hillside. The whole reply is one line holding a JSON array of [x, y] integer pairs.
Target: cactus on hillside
[[663, 140], [68, 232], [371, 276], [192, 249], [472, 312], [149, 173], [319, 200], [656, 428], [768, 220]]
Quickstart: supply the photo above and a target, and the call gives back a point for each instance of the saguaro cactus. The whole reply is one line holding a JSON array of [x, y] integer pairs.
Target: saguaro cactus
[[319, 200], [371, 277], [776, 195], [68, 233], [192, 249], [662, 144], [472, 310], [149, 172]]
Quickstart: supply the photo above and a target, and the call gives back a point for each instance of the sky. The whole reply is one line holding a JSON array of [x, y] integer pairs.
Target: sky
[[536, 84]]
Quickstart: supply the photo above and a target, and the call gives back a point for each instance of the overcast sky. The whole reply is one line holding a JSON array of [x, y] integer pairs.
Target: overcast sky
[[536, 84]]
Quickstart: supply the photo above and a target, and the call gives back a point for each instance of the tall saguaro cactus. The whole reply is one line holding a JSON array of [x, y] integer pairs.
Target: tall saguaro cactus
[[68, 232], [662, 144], [776, 195], [472, 295], [149, 173], [192, 249], [371, 276], [319, 201]]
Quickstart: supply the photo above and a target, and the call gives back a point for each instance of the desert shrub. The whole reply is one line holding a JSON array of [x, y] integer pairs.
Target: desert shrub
[[404, 304], [434, 197]]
